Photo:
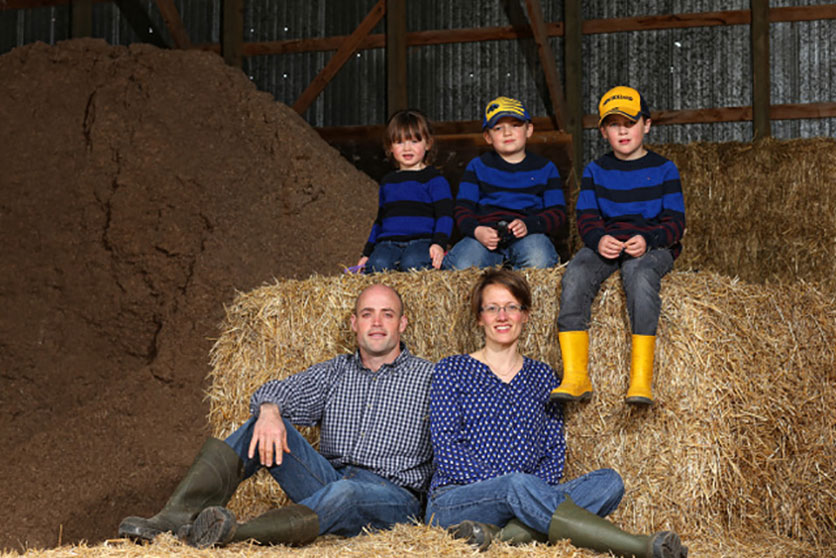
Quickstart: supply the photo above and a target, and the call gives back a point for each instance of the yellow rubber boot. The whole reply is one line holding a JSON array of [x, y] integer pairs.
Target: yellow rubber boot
[[574, 348], [641, 370]]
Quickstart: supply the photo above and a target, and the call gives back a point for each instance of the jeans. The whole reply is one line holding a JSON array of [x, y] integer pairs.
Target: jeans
[[526, 497], [400, 256], [533, 250], [641, 278], [345, 499]]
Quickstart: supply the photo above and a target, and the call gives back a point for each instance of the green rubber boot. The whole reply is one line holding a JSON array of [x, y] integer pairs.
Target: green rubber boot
[[210, 481], [293, 525], [584, 529]]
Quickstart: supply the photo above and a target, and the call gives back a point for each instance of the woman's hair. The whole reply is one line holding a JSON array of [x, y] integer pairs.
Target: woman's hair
[[511, 280], [406, 124]]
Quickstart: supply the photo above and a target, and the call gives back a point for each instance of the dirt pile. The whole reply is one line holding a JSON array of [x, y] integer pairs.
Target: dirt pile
[[140, 189]]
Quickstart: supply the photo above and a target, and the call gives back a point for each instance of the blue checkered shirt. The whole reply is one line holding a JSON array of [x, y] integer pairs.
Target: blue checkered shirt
[[484, 428], [375, 420]]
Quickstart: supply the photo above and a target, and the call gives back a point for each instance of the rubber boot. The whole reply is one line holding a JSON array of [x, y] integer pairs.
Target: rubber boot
[[584, 529], [641, 370], [293, 525], [481, 535], [574, 348], [210, 481]]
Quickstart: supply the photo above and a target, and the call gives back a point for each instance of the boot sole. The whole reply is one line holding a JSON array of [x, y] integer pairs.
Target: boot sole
[[213, 526], [569, 397], [638, 400], [473, 533], [666, 544], [128, 530]]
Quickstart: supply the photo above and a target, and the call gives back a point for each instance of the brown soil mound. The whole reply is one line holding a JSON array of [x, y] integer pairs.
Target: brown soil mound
[[141, 188]]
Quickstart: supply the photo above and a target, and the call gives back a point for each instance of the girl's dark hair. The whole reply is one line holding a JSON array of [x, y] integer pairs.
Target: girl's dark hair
[[406, 124], [511, 280]]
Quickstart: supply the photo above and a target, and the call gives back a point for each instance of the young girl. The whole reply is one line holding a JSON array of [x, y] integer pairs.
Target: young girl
[[415, 207]]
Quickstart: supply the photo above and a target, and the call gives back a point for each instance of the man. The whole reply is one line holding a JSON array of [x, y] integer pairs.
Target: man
[[375, 458]]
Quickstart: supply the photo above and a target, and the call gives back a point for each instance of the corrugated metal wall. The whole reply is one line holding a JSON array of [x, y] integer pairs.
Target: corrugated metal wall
[[675, 69]]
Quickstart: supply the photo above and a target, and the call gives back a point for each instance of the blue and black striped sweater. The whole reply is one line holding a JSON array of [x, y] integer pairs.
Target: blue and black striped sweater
[[413, 205], [627, 198], [493, 190]]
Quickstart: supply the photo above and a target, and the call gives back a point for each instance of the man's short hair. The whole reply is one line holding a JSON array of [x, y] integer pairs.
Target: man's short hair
[[393, 289]]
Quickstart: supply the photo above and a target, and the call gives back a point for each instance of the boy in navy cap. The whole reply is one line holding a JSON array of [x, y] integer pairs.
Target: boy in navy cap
[[509, 200], [631, 216]]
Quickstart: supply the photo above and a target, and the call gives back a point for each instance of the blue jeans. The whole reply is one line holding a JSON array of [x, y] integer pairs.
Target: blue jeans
[[345, 499], [400, 256], [641, 278], [533, 250], [526, 497]]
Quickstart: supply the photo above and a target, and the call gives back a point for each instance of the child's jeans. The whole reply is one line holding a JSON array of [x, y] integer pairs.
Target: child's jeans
[[641, 278], [533, 250], [389, 255]]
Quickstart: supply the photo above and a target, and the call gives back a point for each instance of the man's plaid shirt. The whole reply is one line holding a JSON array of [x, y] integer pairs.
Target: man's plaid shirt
[[375, 420]]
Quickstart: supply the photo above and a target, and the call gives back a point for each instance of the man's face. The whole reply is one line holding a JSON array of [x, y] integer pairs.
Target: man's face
[[378, 321]]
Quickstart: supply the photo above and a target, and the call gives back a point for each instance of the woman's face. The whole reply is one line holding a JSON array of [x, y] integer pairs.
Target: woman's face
[[501, 316]]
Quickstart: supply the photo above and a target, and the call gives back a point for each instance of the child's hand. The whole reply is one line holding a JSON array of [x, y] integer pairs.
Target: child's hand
[[361, 263], [517, 226], [636, 246], [487, 236], [436, 255], [610, 247]]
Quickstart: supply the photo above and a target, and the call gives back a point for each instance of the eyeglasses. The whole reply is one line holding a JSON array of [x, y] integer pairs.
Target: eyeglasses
[[510, 309]]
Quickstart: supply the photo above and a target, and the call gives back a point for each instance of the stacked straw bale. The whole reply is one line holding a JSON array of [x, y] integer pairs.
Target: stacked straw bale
[[741, 439], [763, 211]]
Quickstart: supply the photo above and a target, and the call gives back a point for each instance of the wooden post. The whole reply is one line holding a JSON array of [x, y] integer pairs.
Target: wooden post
[[761, 126], [572, 24], [81, 18], [139, 20], [538, 27], [397, 96], [172, 20], [232, 32]]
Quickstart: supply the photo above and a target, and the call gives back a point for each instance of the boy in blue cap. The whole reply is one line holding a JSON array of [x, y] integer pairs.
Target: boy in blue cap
[[631, 217], [509, 200]]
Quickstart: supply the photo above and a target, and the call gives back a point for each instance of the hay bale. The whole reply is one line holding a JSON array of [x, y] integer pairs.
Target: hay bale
[[764, 211], [742, 436]]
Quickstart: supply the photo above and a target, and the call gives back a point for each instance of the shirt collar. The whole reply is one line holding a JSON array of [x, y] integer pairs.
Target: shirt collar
[[399, 360]]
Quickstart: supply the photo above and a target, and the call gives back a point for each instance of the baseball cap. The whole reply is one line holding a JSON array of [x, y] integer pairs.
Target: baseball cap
[[504, 106], [622, 100]]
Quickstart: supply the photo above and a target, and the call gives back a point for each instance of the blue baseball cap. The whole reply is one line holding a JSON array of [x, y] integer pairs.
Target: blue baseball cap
[[501, 107]]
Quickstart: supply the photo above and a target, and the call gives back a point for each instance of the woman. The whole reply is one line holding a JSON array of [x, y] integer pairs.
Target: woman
[[499, 444]]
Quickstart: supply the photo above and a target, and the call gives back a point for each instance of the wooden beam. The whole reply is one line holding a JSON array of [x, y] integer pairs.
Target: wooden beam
[[760, 69], [573, 70], [29, 4], [81, 18], [548, 62], [139, 20], [340, 57], [175, 26], [397, 97], [592, 26], [232, 32]]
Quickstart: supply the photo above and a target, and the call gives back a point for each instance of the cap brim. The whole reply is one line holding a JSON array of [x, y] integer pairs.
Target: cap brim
[[632, 117], [496, 117]]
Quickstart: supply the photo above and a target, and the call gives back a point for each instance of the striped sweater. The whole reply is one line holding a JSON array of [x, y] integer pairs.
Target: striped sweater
[[493, 190], [628, 198], [413, 205]]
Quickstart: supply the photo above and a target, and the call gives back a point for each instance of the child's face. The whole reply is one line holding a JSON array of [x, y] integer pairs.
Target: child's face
[[625, 136], [409, 153], [508, 137]]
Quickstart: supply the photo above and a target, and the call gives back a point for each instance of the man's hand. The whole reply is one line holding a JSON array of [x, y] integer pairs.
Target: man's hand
[[636, 246], [518, 228], [269, 435], [610, 247], [436, 255], [487, 236]]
